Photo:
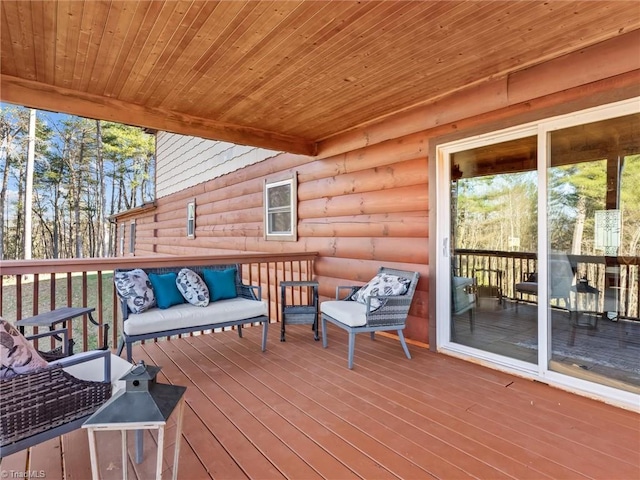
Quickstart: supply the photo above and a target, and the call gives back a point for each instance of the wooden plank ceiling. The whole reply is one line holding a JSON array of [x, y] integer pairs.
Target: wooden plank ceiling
[[283, 74]]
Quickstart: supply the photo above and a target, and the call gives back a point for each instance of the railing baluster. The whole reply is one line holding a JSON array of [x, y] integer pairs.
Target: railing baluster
[[517, 264], [100, 316], [70, 301], [69, 289], [52, 291], [36, 304], [18, 297], [115, 326], [85, 329]]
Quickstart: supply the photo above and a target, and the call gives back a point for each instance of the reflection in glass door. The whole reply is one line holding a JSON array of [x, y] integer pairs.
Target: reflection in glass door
[[541, 249], [593, 206], [493, 235]]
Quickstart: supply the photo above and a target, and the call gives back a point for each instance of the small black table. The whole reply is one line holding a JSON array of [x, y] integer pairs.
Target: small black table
[[60, 315], [581, 316], [299, 314]]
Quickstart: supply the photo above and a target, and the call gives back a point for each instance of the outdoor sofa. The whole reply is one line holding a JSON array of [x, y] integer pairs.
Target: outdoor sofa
[[168, 301]]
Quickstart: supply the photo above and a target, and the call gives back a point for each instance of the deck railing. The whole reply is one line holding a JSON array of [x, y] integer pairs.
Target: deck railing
[[499, 271], [30, 287]]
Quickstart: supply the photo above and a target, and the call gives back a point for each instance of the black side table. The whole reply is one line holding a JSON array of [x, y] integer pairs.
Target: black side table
[[486, 287], [583, 317], [299, 314], [61, 315]]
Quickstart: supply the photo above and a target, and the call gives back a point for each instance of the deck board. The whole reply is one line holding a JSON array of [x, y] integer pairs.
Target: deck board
[[75, 447], [210, 404], [393, 395], [285, 397], [297, 411], [359, 410], [211, 381], [378, 421], [46, 459]]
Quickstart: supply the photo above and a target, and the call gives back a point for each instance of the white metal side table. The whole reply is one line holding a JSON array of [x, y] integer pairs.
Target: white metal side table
[[144, 405]]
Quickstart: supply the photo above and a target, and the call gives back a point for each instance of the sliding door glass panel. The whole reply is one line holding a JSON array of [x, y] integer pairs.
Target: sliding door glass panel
[[494, 243], [593, 208]]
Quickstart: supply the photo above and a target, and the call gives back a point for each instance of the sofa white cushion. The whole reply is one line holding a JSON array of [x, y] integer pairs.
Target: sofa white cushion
[[187, 315], [353, 314]]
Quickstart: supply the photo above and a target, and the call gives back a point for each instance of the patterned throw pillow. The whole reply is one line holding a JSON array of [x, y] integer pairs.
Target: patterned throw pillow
[[16, 353], [381, 284], [192, 288], [134, 286]]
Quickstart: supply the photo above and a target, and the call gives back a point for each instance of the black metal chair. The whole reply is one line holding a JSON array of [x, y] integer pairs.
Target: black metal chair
[[561, 279]]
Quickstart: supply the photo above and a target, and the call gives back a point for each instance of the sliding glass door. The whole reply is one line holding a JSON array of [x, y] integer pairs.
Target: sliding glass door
[[494, 237], [593, 204], [540, 235]]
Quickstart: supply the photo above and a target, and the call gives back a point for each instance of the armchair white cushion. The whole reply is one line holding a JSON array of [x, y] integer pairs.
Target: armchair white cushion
[[91, 366], [350, 313], [386, 312]]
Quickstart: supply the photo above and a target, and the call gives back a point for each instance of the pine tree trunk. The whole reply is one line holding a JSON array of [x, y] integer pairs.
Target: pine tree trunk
[[3, 200], [576, 244], [76, 203], [102, 234]]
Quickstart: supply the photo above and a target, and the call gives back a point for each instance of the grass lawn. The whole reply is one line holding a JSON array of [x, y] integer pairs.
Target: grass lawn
[[9, 302]]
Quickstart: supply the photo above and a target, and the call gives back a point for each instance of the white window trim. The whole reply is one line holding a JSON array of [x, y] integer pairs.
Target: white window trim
[[292, 235], [191, 217], [123, 227], [132, 237]]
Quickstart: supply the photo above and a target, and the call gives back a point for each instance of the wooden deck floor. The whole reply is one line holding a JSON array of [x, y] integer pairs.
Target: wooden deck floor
[[297, 412], [609, 355]]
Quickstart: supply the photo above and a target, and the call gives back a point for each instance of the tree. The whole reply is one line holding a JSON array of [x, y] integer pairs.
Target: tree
[[493, 209], [84, 171], [13, 125], [576, 192], [630, 206], [13, 137], [131, 153]]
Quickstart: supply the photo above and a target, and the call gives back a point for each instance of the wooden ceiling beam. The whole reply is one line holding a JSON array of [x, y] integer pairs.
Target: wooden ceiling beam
[[58, 99]]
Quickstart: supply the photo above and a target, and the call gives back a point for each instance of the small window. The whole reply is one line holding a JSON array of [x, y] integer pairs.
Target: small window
[[132, 238], [281, 217], [191, 219]]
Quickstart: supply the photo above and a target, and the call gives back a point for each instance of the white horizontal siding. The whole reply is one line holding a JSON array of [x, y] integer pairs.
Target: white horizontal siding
[[183, 161]]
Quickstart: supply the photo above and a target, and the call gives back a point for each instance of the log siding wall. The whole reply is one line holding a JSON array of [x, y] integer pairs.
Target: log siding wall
[[363, 205]]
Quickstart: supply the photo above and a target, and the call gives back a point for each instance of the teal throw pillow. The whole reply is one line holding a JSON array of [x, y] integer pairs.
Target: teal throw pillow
[[221, 283], [165, 289]]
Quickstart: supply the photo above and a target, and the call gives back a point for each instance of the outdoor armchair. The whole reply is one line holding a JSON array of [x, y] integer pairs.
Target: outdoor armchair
[[463, 298], [55, 398], [381, 305], [561, 280]]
